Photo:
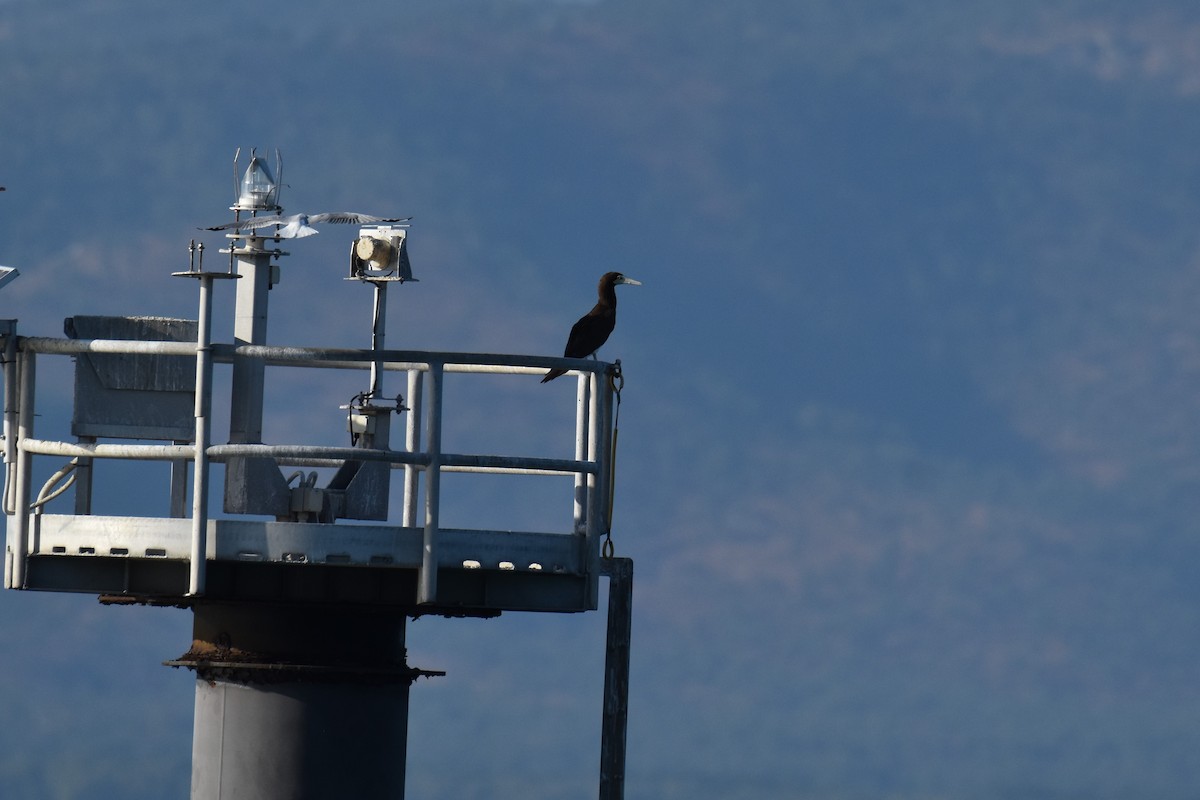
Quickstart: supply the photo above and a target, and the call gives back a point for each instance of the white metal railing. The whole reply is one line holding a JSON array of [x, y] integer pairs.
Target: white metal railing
[[422, 454]]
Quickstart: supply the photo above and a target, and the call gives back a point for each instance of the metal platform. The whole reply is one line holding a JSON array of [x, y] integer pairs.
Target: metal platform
[[146, 559], [303, 559]]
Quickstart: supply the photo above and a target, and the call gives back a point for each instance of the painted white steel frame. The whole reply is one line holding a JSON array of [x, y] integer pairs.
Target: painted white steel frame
[[575, 552]]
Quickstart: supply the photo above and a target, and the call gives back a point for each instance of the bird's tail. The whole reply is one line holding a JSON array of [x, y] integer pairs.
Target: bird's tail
[[552, 374], [296, 230]]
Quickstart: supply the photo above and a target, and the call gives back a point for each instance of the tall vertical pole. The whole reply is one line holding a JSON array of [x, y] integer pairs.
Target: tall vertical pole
[[616, 678]]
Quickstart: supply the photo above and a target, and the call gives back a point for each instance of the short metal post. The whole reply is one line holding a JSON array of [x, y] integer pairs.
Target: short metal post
[[616, 677]]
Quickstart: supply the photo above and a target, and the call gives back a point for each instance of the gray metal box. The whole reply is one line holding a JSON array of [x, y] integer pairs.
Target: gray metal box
[[134, 396]]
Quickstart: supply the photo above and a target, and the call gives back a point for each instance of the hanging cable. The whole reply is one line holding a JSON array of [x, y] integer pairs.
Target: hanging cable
[[616, 382], [49, 492], [9, 487], [303, 482]]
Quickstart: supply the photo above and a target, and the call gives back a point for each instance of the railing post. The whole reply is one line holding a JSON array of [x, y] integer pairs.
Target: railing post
[[594, 516], [11, 391], [199, 551], [18, 535], [582, 397], [604, 424], [412, 443], [600, 496], [427, 588]]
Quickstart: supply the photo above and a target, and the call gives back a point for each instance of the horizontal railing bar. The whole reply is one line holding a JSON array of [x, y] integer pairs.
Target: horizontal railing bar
[[334, 463], [143, 452], [400, 360], [309, 455], [46, 344], [552, 465], [222, 452], [337, 462], [507, 471], [405, 359], [286, 452]]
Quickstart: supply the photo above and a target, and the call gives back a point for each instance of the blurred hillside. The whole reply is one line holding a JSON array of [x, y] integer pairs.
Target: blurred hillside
[[908, 447]]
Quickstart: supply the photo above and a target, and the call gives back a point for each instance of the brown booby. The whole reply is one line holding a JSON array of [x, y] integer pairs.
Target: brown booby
[[593, 328]]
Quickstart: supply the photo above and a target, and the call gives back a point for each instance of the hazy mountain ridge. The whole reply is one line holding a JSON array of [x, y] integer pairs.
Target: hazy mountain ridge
[[918, 524]]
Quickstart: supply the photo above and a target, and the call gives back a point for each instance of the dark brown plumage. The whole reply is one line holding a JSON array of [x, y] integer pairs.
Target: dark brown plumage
[[593, 328]]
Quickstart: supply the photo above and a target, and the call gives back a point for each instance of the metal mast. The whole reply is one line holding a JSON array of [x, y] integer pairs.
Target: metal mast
[[296, 700]]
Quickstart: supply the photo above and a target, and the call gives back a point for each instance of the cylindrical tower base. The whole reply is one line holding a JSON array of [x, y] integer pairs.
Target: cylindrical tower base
[[298, 702], [296, 740]]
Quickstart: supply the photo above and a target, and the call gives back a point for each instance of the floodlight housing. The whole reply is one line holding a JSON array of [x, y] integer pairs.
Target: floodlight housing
[[380, 253]]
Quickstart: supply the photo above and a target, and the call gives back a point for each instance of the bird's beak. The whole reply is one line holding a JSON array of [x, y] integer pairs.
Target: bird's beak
[[631, 281]]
